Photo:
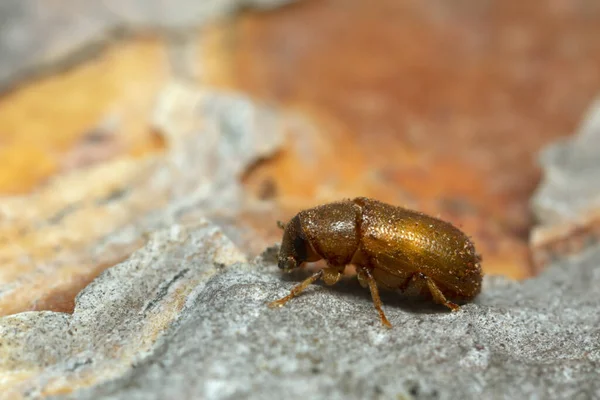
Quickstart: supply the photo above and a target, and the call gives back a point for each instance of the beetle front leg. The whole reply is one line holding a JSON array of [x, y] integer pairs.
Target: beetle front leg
[[365, 277], [330, 275], [296, 290]]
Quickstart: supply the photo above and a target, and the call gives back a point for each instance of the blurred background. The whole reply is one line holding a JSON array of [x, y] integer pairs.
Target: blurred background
[[119, 117]]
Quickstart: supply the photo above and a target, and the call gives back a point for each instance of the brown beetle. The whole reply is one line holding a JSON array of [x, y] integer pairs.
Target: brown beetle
[[391, 247]]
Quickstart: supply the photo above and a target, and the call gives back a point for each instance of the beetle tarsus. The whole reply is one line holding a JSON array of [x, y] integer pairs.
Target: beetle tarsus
[[296, 290], [365, 275]]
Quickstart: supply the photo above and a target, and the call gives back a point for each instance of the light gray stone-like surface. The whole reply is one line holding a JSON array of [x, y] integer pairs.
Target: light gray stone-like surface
[[186, 318], [537, 339], [117, 317], [179, 14], [567, 201], [37, 35], [571, 185]]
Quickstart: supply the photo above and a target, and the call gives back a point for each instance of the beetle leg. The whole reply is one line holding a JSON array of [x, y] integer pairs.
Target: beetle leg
[[362, 279], [408, 282], [332, 275], [438, 296], [365, 275], [296, 290]]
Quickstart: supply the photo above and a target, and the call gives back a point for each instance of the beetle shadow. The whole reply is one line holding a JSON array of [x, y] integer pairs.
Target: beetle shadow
[[350, 289]]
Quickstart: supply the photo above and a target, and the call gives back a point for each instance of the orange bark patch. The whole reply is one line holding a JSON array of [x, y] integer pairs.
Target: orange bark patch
[[42, 121]]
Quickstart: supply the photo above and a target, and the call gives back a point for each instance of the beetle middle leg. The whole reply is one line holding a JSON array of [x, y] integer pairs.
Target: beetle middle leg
[[330, 276], [365, 278]]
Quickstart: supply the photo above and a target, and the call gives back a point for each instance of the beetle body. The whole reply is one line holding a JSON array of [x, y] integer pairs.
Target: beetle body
[[391, 247]]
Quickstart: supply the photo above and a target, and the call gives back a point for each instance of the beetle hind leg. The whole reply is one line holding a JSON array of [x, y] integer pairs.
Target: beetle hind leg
[[438, 296], [366, 279]]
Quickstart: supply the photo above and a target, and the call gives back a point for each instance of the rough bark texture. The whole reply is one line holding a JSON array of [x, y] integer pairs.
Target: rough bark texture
[[141, 195]]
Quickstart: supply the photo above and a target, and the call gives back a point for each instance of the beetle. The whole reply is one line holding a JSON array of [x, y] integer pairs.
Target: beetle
[[392, 248]]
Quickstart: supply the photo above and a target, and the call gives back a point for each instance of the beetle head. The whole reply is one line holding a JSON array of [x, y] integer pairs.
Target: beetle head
[[295, 247]]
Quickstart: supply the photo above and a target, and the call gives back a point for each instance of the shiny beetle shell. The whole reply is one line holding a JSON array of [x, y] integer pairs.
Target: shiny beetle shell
[[391, 247]]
